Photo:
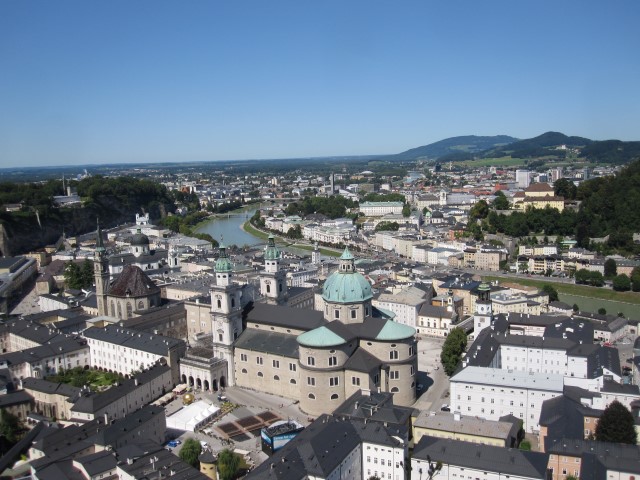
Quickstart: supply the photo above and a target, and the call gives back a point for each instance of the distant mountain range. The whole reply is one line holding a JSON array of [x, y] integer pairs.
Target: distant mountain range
[[545, 145], [466, 145]]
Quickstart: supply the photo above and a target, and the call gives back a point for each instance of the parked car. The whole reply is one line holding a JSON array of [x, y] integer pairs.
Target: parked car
[[445, 407], [173, 443], [222, 397]]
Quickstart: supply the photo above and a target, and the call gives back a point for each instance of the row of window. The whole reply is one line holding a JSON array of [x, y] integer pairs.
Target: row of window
[[260, 361]]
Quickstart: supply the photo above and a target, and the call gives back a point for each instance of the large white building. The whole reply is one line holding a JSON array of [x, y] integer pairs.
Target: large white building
[[378, 209], [492, 393], [123, 350]]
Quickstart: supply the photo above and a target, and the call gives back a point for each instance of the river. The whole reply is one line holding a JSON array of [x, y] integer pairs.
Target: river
[[230, 229]]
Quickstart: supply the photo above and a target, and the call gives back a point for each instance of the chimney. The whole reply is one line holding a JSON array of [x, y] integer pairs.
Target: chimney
[[106, 419]]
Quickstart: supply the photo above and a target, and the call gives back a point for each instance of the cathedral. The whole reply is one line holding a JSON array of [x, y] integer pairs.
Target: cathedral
[[320, 358]]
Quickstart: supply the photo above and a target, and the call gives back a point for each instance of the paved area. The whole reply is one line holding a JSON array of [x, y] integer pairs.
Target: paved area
[[431, 375], [249, 403]]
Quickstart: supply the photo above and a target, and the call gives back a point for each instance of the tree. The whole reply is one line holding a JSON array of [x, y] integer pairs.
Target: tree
[[635, 279], [71, 275], [295, 232], [501, 202], [616, 424], [452, 350], [565, 188], [525, 445], [406, 210], [387, 227], [576, 308], [10, 427], [479, 211], [228, 464], [190, 452], [551, 291], [610, 268], [621, 283], [86, 273], [602, 311]]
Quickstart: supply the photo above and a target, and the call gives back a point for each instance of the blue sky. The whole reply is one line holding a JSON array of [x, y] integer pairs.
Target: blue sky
[[149, 80]]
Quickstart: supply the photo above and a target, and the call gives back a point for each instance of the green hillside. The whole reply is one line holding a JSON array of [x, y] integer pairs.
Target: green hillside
[[464, 145]]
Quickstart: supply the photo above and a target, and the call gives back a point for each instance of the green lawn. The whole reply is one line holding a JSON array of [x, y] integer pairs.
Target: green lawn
[[250, 229], [323, 251], [572, 289], [79, 376], [490, 162]]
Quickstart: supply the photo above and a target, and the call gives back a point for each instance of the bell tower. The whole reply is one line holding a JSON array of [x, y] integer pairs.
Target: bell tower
[[226, 313], [483, 315], [101, 272], [273, 281]]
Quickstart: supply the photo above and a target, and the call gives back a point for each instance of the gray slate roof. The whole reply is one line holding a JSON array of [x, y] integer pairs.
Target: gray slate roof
[[303, 319], [268, 342], [321, 447], [507, 461], [146, 342]]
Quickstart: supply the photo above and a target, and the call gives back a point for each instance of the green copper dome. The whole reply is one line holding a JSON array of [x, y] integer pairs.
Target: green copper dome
[[320, 337], [223, 264], [346, 285], [395, 331], [271, 252]]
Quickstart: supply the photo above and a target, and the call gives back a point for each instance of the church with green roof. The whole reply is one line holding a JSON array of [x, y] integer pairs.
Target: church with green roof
[[322, 357]]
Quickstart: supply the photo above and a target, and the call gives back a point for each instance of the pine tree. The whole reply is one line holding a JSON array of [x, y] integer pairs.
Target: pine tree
[[616, 425]]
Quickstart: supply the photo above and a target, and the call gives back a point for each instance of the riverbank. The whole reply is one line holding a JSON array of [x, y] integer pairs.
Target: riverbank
[[251, 230]]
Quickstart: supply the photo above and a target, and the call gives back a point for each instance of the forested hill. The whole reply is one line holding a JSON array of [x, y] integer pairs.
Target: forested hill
[[610, 206], [113, 200], [455, 145], [549, 145]]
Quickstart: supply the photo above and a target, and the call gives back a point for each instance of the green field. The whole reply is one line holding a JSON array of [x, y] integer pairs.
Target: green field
[[587, 298], [573, 289], [494, 162]]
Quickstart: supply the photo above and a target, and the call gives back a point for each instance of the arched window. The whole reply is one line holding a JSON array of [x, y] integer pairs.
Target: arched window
[[312, 396], [292, 381], [395, 390], [260, 374], [219, 303], [276, 378], [140, 305], [244, 370], [129, 310], [334, 396], [268, 288], [113, 309], [119, 310]]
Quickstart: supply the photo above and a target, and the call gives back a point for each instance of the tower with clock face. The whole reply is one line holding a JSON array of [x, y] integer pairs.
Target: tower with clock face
[[484, 312], [226, 312]]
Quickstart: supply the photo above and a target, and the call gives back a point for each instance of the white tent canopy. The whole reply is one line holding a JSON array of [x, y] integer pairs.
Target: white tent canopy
[[192, 416]]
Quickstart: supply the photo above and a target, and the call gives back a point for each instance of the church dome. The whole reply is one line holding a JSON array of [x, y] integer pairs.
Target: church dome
[[346, 285], [223, 264], [139, 239], [271, 252]]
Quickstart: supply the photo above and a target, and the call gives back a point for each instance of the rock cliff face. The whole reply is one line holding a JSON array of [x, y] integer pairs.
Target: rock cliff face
[[22, 232]]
